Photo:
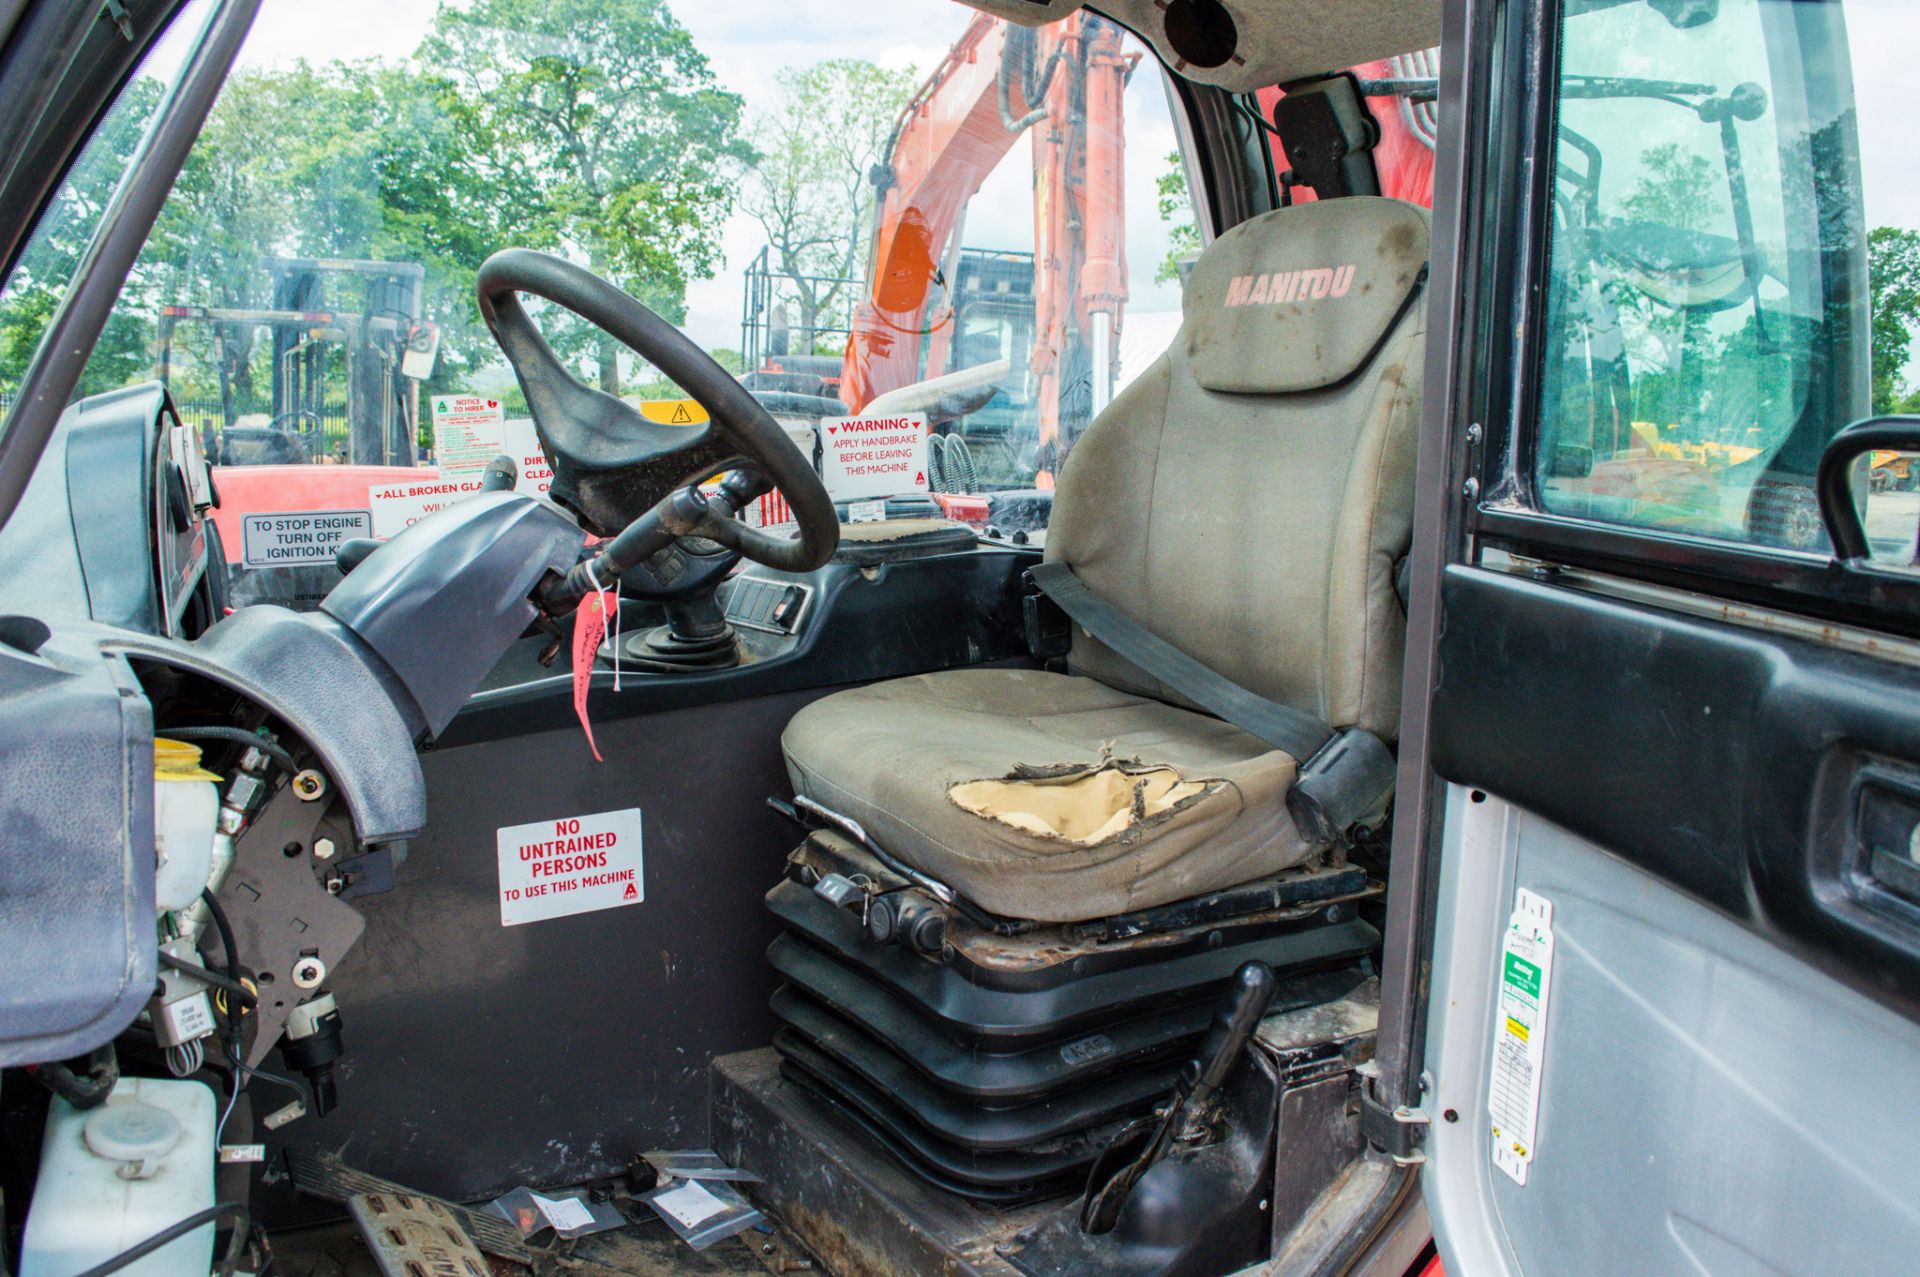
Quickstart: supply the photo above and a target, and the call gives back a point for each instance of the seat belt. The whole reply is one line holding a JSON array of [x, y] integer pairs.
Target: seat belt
[[1344, 777]]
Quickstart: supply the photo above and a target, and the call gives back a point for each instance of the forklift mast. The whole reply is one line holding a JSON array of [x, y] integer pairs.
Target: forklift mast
[[306, 325], [382, 407]]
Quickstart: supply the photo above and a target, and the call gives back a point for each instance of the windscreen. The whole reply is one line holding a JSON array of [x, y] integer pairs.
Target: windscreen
[[966, 237]]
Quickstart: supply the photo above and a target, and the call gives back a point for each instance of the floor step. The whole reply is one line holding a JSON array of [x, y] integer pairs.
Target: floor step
[[844, 1197]]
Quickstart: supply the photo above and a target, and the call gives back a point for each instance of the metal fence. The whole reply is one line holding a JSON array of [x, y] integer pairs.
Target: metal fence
[[770, 313], [326, 433]]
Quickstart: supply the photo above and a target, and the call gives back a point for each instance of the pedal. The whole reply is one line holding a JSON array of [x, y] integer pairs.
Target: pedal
[[332, 1181], [413, 1236]]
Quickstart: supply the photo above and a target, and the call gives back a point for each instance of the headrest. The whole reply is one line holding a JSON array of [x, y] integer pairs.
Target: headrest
[[1302, 297]]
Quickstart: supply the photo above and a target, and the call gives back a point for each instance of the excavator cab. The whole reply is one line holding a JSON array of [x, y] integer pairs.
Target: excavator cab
[[1177, 638]]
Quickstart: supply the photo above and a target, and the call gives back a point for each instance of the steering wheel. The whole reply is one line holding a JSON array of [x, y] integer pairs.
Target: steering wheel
[[621, 473]]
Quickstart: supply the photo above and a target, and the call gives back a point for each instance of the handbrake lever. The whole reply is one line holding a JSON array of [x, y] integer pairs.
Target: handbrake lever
[[1142, 1143]]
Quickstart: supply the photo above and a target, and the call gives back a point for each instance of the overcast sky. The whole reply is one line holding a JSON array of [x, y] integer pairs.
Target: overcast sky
[[748, 41]]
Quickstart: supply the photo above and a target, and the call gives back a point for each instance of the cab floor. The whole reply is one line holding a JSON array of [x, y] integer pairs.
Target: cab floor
[[645, 1249]]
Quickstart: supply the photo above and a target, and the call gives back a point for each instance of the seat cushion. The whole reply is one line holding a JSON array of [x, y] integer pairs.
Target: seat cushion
[[1048, 796]]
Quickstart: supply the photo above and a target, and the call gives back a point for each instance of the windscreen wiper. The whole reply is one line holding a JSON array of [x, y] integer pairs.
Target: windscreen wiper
[[1628, 86]]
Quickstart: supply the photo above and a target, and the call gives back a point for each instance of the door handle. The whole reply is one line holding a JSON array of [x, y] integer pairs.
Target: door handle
[[1888, 828]]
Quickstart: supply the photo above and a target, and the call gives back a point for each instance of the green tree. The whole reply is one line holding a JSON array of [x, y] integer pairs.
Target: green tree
[[1893, 277], [599, 132], [810, 187], [1676, 190], [1176, 210], [32, 293]]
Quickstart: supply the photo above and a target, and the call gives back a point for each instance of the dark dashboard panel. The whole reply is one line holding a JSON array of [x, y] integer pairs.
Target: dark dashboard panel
[[854, 624], [489, 1056]]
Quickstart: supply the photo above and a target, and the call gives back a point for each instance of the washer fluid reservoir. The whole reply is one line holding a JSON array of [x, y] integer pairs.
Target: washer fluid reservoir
[[113, 1176]]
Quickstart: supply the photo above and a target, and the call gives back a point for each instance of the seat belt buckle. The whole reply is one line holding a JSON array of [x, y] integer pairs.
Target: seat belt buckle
[[1049, 633], [1347, 782]]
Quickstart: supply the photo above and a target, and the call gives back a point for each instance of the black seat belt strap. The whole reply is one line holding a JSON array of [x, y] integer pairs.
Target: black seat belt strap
[[1281, 726], [1344, 777]]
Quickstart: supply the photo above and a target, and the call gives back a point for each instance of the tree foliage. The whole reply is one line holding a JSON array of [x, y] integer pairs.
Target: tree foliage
[[599, 132], [811, 187], [1893, 275], [1176, 210], [589, 128]]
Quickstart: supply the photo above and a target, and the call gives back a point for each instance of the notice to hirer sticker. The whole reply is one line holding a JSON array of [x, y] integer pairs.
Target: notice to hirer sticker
[[467, 432], [874, 456], [1520, 1033], [553, 868]]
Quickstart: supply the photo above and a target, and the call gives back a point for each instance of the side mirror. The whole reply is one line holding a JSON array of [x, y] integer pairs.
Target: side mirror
[[1875, 506]]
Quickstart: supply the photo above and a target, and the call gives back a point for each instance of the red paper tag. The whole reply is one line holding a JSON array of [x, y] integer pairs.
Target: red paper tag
[[589, 627]]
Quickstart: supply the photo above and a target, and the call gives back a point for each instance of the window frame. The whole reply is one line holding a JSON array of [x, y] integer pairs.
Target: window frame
[[1505, 509]]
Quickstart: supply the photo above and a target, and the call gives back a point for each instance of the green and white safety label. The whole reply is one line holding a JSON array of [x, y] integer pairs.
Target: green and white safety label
[[1520, 1033]]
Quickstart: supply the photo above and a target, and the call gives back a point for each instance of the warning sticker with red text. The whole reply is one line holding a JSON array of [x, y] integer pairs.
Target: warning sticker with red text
[[874, 456], [398, 506], [553, 868]]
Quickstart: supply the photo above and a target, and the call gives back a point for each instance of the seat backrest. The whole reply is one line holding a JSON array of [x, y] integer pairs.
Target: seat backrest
[[1248, 495]]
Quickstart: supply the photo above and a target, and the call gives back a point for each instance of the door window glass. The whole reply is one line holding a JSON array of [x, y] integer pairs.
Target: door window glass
[[36, 286], [1706, 309]]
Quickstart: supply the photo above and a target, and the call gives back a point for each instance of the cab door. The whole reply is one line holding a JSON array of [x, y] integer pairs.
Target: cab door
[[1673, 998]]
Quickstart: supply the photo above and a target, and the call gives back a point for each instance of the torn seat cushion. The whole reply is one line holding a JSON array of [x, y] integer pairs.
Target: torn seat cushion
[[1048, 796]]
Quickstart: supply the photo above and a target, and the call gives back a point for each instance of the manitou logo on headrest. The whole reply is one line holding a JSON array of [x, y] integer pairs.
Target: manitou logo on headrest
[[1289, 286]]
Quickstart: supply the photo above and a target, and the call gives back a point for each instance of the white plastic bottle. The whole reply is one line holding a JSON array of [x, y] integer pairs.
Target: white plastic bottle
[[113, 1176], [186, 807]]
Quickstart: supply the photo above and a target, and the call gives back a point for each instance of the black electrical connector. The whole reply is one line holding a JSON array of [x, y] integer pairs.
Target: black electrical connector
[[311, 1045]]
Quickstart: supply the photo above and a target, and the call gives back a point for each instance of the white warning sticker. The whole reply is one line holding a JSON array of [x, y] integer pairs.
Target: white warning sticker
[[522, 443], [1520, 1033], [874, 456], [289, 538], [466, 432], [398, 506], [553, 868]]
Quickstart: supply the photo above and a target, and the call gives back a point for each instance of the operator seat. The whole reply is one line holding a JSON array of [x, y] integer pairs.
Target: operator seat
[[1246, 498]]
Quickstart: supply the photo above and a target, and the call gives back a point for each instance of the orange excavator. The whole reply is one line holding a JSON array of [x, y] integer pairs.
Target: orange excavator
[[932, 308]]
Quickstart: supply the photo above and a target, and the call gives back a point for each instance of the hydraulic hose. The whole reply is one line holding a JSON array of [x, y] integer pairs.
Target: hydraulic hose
[[235, 736], [82, 1090]]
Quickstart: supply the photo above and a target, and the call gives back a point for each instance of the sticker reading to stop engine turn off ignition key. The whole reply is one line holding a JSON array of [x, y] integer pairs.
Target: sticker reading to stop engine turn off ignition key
[[1520, 1033], [553, 868]]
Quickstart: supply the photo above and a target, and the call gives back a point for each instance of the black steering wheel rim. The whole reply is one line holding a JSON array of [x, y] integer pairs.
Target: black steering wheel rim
[[611, 464]]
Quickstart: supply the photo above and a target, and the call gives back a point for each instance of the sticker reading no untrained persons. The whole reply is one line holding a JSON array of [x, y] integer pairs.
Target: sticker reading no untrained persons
[[1520, 1033], [553, 868], [291, 538]]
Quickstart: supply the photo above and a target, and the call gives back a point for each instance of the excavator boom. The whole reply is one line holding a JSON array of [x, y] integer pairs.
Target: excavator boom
[[1061, 85]]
